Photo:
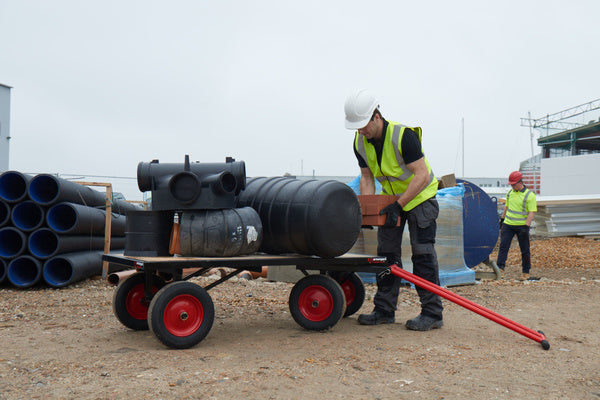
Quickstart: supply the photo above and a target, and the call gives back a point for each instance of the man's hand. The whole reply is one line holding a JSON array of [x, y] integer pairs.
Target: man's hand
[[393, 212]]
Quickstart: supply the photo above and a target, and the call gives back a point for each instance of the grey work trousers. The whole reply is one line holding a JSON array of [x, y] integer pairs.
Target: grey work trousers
[[422, 228]]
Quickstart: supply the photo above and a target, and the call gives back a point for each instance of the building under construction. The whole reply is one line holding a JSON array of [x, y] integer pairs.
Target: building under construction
[[573, 142], [565, 173], [560, 138]]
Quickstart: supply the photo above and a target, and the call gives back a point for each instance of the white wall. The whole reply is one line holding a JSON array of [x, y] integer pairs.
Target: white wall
[[573, 175], [4, 126]]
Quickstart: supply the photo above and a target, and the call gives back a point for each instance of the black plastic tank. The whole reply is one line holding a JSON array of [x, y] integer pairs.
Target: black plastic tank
[[311, 217], [220, 233], [147, 233]]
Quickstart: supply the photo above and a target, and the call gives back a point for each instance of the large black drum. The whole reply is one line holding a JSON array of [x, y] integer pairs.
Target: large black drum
[[310, 217]]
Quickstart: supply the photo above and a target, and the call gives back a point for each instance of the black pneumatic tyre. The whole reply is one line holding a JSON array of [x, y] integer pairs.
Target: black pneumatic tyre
[[129, 303], [317, 302], [354, 290], [181, 314]]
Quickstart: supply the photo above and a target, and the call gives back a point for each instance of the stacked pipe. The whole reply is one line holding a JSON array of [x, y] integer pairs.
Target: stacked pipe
[[53, 230]]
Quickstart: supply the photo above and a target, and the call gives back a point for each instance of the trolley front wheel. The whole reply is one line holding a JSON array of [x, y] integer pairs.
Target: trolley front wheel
[[181, 314], [317, 302], [130, 305]]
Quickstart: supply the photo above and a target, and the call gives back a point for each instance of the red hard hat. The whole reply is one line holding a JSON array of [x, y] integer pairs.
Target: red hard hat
[[514, 177]]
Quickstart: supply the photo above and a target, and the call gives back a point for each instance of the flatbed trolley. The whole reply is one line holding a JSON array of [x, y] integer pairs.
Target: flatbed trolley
[[180, 313]]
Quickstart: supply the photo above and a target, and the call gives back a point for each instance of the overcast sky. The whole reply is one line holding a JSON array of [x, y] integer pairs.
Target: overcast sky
[[100, 86]]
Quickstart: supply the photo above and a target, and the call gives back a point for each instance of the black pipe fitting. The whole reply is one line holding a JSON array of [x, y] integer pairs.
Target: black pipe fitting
[[192, 186]]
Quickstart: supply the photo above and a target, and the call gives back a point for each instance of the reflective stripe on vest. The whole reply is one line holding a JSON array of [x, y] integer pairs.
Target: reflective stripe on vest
[[393, 174], [395, 141], [517, 216]]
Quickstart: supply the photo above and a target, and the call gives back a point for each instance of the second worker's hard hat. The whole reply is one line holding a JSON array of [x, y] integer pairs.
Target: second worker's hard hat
[[514, 177], [359, 108]]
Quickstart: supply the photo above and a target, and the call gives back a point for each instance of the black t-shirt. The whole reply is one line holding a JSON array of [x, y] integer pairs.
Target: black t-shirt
[[411, 147]]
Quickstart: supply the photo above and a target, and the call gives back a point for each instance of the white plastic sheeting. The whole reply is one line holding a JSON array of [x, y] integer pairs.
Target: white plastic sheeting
[[449, 241], [566, 217]]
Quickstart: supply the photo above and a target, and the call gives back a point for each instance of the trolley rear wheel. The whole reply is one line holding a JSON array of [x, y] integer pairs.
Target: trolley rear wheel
[[354, 290], [317, 302], [181, 314], [130, 305]]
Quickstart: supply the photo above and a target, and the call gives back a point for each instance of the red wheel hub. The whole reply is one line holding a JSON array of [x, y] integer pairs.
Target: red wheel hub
[[183, 315], [315, 303], [136, 303], [349, 292]]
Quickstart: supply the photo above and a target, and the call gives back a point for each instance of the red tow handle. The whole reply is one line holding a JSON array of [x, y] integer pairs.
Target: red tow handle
[[538, 336]]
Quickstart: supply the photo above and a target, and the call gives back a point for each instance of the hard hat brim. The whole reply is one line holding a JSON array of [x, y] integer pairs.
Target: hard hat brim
[[514, 177], [355, 125]]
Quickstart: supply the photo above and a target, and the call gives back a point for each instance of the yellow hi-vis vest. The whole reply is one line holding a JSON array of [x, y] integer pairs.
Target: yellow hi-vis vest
[[518, 205], [392, 174]]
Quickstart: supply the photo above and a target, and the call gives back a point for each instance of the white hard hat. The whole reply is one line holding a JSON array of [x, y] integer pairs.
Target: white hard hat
[[359, 108]]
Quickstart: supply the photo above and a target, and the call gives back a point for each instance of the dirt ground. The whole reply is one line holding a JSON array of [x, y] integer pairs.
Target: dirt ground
[[67, 344]]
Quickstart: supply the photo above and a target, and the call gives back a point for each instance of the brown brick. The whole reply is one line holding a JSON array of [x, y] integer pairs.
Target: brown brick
[[371, 204]]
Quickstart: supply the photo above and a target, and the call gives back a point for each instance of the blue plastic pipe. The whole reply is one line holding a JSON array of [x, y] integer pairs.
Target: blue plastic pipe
[[28, 215], [68, 268], [13, 242], [45, 243], [24, 272], [73, 219], [2, 270], [47, 190], [4, 213], [13, 186]]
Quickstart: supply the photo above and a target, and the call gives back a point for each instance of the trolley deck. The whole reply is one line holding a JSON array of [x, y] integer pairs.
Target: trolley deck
[[180, 313]]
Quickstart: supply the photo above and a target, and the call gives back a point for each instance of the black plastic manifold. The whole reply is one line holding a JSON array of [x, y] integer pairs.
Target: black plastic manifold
[[192, 186]]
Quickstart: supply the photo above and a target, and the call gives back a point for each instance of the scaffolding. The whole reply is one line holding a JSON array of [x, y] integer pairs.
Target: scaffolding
[[557, 121], [567, 138]]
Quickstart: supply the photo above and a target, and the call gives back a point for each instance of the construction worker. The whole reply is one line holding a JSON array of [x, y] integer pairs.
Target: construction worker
[[516, 219], [392, 154]]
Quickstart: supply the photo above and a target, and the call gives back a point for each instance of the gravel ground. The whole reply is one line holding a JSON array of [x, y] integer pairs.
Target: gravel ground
[[67, 344]]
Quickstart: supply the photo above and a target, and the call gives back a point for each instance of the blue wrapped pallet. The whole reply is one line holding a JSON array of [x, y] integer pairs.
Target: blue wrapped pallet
[[449, 241]]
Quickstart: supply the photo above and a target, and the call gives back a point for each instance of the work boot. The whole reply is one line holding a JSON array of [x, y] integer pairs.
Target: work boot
[[424, 323], [376, 317], [524, 277]]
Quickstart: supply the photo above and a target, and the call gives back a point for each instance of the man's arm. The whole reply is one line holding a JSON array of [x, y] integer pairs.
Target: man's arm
[[531, 208], [418, 183], [367, 181], [530, 218]]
